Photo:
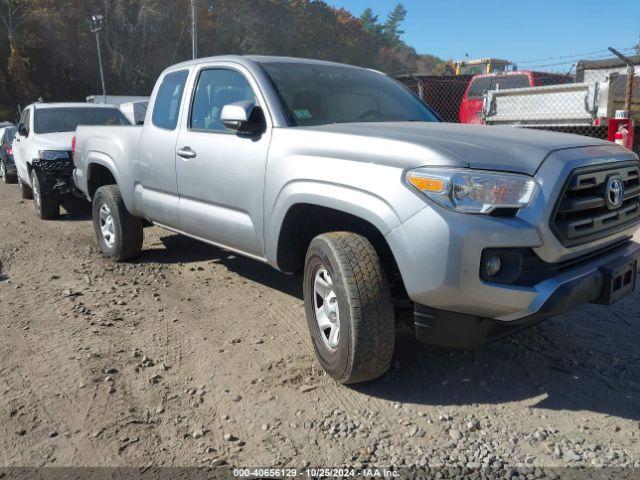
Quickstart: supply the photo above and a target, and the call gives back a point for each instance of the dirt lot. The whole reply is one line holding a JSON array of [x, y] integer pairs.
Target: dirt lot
[[194, 356]]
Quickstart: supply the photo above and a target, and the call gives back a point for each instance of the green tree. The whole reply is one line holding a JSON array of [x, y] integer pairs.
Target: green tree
[[370, 23], [391, 27]]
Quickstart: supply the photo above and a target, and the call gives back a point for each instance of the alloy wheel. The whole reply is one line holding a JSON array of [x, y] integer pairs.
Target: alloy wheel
[[35, 188], [326, 308], [107, 227]]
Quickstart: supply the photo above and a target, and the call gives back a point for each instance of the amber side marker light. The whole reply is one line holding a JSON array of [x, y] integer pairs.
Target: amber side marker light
[[426, 184]]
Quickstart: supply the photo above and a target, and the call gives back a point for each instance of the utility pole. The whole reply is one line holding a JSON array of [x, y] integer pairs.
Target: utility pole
[[194, 31], [96, 24], [630, 74]]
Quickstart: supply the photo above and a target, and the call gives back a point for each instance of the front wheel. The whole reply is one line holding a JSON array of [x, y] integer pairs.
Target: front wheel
[[348, 307], [119, 233], [46, 204]]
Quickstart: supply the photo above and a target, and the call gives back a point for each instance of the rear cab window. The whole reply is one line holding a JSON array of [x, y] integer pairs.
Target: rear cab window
[[508, 82], [480, 85], [166, 108]]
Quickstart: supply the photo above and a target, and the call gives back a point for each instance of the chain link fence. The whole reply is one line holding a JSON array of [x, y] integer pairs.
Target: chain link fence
[[538, 100]]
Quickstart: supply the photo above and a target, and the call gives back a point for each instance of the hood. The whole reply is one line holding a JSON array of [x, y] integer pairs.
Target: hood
[[415, 144], [54, 141]]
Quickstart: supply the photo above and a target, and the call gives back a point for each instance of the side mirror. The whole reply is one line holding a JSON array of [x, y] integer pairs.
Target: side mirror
[[22, 130], [242, 117]]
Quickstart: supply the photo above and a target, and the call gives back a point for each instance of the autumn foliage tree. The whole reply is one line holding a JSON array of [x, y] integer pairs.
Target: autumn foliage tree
[[48, 51]]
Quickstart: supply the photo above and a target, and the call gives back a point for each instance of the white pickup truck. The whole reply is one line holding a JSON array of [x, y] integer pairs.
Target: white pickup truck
[[42, 149], [341, 174]]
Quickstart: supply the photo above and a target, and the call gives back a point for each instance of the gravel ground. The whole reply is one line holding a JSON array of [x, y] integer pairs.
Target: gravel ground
[[193, 356]]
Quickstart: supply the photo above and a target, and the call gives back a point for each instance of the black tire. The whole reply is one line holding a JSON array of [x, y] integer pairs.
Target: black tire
[[127, 229], [366, 338], [46, 204], [25, 190], [6, 177]]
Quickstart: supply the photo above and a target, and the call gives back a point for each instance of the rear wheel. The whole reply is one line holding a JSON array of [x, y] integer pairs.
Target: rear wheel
[[46, 204], [119, 233], [348, 307], [25, 190]]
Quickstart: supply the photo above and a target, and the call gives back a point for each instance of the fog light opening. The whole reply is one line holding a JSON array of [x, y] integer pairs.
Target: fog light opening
[[493, 265]]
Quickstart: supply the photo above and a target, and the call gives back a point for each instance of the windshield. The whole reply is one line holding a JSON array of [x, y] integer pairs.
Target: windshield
[[321, 94], [65, 119]]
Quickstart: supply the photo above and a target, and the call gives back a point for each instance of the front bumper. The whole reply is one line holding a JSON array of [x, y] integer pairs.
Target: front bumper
[[57, 177], [438, 251], [439, 257], [575, 288]]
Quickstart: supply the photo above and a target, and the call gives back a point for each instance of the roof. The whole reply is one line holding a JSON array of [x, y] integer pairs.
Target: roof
[[244, 59], [522, 72], [614, 62], [478, 61], [40, 105]]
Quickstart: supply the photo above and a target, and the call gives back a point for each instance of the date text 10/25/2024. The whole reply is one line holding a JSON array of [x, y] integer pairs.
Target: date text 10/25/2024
[[314, 473]]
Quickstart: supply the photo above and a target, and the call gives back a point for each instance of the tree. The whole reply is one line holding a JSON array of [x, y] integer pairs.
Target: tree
[[370, 23], [47, 49], [14, 14], [392, 25]]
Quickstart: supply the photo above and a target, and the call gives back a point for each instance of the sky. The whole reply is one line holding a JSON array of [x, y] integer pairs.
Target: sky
[[527, 32]]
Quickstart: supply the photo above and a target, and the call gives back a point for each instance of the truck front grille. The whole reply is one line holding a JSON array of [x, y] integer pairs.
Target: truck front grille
[[586, 210], [55, 166]]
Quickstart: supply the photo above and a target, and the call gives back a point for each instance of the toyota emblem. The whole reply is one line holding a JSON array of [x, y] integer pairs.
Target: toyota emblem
[[614, 193]]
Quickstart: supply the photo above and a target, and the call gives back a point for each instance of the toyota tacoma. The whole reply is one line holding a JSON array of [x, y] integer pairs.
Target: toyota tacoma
[[342, 175]]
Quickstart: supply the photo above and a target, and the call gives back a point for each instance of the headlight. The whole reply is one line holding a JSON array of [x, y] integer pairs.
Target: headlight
[[54, 155], [473, 191]]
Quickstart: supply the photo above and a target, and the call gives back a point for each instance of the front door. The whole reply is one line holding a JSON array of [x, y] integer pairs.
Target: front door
[[471, 106], [220, 172]]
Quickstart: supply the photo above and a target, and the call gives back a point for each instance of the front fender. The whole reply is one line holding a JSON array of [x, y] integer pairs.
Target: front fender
[[360, 203]]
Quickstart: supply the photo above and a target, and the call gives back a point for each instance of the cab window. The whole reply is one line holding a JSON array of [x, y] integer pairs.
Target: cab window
[[216, 88], [478, 87]]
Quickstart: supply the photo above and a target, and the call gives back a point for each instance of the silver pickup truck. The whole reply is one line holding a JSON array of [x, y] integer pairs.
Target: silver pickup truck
[[341, 174]]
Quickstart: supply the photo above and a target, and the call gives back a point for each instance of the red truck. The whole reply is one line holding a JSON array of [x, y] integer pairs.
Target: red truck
[[471, 105]]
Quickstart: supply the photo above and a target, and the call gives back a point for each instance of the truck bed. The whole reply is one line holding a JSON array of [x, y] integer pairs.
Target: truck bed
[[566, 105], [113, 147], [553, 105]]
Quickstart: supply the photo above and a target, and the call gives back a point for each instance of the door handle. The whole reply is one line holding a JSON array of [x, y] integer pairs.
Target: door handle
[[186, 152]]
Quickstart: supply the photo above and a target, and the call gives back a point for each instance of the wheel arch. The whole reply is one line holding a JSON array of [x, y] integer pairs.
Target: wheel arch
[[356, 202], [304, 221], [101, 170], [99, 174]]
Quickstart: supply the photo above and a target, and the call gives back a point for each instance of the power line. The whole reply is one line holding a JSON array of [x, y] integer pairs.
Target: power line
[[574, 56], [184, 25], [569, 62]]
